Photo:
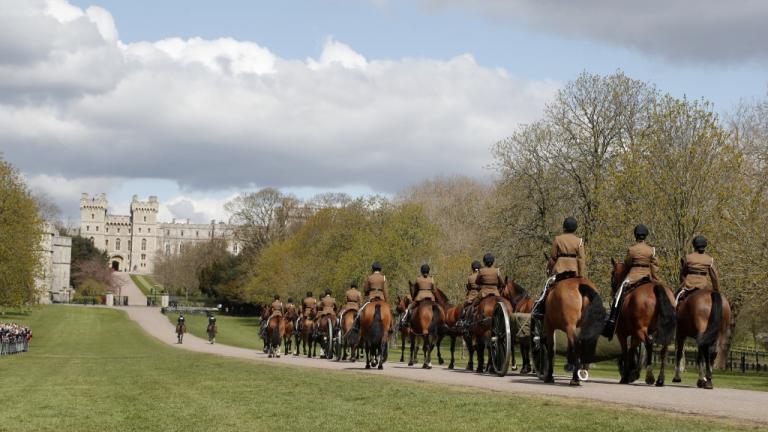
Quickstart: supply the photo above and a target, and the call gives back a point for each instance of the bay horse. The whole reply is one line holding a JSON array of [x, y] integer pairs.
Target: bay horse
[[212, 330], [572, 303], [405, 331], [426, 319], [265, 313], [275, 333], [290, 328], [181, 328], [452, 314], [305, 336], [647, 315], [346, 321], [375, 323], [705, 316], [480, 330], [522, 303], [322, 336]]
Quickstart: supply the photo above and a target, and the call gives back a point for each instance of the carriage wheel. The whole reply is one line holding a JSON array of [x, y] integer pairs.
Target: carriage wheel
[[329, 342], [501, 340]]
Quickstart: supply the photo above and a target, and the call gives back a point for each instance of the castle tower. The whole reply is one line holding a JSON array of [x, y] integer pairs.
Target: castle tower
[[93, 217], [144, 233]]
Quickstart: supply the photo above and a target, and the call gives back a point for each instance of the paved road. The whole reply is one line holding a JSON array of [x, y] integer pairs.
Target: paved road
[[129, 289], [737, 404]]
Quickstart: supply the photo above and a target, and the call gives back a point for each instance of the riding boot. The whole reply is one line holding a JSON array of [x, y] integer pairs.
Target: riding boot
[[405, 321], [610, 323], [356, 324], [539, 308]]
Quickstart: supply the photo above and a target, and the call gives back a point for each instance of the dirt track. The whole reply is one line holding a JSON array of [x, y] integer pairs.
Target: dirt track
[[737, 404]]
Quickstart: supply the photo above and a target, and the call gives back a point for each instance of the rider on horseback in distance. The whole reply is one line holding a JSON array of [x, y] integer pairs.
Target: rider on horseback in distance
[[472, 292], [276, 310], [425, 290], [180, 320], [375, 287], [641, 263], [353, 299], [327, 305], [697, 271], [488, 281], [308, 307], [568, 257]]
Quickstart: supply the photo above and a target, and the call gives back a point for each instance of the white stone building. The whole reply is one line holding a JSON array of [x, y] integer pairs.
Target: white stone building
[[133, 241], [53, 283]]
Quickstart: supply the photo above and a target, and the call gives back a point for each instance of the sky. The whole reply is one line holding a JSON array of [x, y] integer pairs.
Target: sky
[[195, 101]]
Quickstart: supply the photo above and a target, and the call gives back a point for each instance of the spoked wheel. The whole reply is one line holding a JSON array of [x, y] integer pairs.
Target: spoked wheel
[[329, 342], [501, 340]]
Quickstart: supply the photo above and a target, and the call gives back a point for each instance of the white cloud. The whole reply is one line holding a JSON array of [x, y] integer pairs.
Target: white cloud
[[680, 30], [223, 114]]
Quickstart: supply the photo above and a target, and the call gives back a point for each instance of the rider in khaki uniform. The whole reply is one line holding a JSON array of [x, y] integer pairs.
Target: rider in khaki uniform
[[568, 258], [290, 307], [327, 305], [472, 291], [276, 308], [375, 288], [697, 270], [308, 310], [640, 263], [489, 279], [425, 290], [353, 298]]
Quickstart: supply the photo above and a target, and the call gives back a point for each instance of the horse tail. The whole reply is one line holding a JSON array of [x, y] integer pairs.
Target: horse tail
[[276, 334], [666, 317], [592, 321], [377, 327], [435, 319], [711, 333]]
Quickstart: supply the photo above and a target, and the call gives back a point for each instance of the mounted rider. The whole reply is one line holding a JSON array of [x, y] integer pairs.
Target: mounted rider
[[276, 309], [180, 320], [353, 299], [697, 270], [488, 281], [472, 291], [375, 288], [424, 290], [327, 305], [290, 307], [211, 320], [640, 265], [308, 310], [567, 261]]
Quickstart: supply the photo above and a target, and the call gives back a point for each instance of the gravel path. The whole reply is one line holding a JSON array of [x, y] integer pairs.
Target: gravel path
[[130, 290], [736, 404]]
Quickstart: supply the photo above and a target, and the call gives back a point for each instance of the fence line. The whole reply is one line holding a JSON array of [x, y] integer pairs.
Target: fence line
[[738, 360]]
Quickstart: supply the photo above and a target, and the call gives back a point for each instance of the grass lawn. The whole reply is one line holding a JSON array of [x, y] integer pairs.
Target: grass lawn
[[91, 369], [243, 332], [145, 284]]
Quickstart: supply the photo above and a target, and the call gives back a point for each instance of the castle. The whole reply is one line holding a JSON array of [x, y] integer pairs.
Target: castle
[[53, 280], [133, 241]]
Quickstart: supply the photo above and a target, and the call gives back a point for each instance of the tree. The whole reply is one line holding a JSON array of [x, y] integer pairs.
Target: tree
[[21, 231], [84, 251]]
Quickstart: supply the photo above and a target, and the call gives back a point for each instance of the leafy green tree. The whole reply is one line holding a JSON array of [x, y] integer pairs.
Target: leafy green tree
[[21, 231]]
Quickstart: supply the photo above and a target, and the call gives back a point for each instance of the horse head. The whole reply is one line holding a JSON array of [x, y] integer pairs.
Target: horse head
[[441, 298], [618, 273], [402, 303]]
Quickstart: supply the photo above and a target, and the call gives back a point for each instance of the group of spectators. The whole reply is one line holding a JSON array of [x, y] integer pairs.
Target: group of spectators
[[14, 338]]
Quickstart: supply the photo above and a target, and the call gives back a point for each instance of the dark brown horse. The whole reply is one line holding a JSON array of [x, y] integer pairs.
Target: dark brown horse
[[522, 303], [290, 328], [181, 328], [405, 331], [480, 331], [646, 316], [426, 319], [375, 323], [275, 333], [705, 316], [452, 314], [304, 338], [572, 303], [345, 323], [212, 330]]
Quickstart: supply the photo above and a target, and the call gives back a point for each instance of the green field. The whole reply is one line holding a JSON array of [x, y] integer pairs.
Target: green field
[[243, 332], [91, 369], [146, 284]]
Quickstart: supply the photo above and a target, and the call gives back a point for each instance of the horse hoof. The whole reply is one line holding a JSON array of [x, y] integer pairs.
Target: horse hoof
[[574, 383], [700, 383], [469, 367], [624, 381], [549, 380], [649, 380], [660, 383], [410, 363], [676, 380], [381, 366], [525, 370], [513, 367], [450, 366], [708, 385], [479, 370], [440, 361]]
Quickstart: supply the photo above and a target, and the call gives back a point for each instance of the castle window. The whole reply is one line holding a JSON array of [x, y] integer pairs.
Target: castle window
[[87, 227], [149, 230], [145, 218], [182, 233], [129, 230], [93, 216], [143, 256], [106, 244], [117, 244], [106, 229], [97, 227], [167, 248], [118, 230], [180, 247], [139, 229], [143, 244]]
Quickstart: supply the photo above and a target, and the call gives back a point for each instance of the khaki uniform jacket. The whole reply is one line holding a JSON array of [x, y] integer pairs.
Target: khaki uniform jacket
[[641, 261], [425, 288], [327, 306], [308, 306], [568, 255], [376, 287], [472, 289], [489, 281], [290, 307], [699, 272], [353, 299], [277, 308]]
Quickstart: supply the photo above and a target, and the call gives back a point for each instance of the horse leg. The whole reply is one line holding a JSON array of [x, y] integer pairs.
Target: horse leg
[[427, 351], [471, 351], [549, 346], [402, 347], [648, 361], [480, 355], [439, 356], [513, 365], [624, 359], [525, 353], [662, 365], [701, 360], [411, 357], [709, 358], [367, 356], [573, 356], [679, 358], [453, 348], [382, 349]]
